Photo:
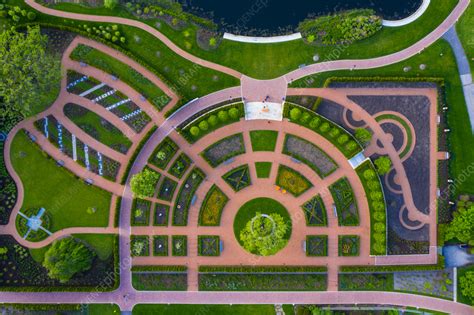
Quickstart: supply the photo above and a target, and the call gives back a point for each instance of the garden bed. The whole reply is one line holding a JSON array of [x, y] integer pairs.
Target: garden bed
[[309, 154], [180, 166], [179, 245], [7, 190], [185, 197], [161, 215], [224, 149], [140, 245], [167, 188], [141, 212], [345, 203], [212, 207], [292, 181], [349, 245], [316, 245], [365, 282], [160, 245], [163, 153], [238, 178], [160, 281], [315, 212], [209, 245]]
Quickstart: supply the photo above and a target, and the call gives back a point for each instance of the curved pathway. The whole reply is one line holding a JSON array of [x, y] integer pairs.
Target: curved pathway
[[409, 19]]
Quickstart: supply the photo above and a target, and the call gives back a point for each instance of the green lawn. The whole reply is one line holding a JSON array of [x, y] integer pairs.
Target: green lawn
[[103, 309], [465, 29], [438, 66], [126, 73], [263, 140], [263, 169], [64, 197], [209, 309], [265, 61], [461, 297], [92, 124], [264, 206]]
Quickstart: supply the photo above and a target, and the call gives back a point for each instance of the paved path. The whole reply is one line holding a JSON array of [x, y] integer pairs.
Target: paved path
[[419, 12], [464, 71]]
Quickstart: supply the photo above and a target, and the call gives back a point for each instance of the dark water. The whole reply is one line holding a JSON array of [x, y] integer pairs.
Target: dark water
[[276, 16]]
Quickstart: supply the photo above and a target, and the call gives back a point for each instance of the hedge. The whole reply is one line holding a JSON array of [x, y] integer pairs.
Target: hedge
[[118, 205], [399, 268], [176, 268], [257, 269], [139, 147]]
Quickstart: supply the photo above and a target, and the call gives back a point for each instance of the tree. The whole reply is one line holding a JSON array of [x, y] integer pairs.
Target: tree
[[461, 227], [295, 113], [466, 283], [29, 77], [383, 164], [264, 234], [363, 135], [66, 257], [143, 183]]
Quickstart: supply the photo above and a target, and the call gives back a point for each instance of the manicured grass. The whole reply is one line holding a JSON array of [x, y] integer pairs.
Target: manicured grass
[[263, 140], [94, 126], [465, 29], [210, 309], [264, 206], [461, 298], [292, 181], [42, 179], [124, 72], [263, 169], [103, 309]]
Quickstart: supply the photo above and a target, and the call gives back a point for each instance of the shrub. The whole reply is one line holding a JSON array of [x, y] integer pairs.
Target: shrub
[[376, 195], [314, 123], [31, 16], [378, 205], [383, 164], [195, 131], [203, 125], [234, 113], [295, 113], [110, 4], [212, 120], [334, 132], [351, 145], [379, 216], [343, 139], [324, 127], [363, 135], [223, 116], [369, 174], [305, 118], [212, 41], [379, 227]]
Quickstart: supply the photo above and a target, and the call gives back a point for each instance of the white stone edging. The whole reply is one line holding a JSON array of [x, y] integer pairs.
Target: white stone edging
[[262, 40], [409, 19]]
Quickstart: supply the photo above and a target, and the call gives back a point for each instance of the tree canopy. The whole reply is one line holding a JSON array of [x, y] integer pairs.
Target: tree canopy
[[467, 285], [363, 135], [383, 164], [66, 257], [264, 235], [462, 226], [143, 184], [28, 73]]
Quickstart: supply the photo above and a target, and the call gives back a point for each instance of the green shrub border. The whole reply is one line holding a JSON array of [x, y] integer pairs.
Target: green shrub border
[[240, 150], [374, 269], [118, 206], [177, 268], [204, 203], [200, 245], [305, 161]]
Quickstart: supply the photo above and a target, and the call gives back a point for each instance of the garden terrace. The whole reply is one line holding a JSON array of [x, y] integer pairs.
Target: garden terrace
[[345, 203], [126, 73], [309, 154], [167, 188], [97, 127], [334, 133], [160, 278], [212, 207], [160, 217], [238, 178], [224, 149], [209, 245], [180, 166], [316, 245], [292, 181], [185, 197], [212, 120], [163, 153], [315, 212], [376, 199], [141, 212]]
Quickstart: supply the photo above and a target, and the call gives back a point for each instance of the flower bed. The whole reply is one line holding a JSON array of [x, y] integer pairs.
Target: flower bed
[[159, 281], [7, 191], [316, 245], [377, 207], [344, 199], [161, 215], [349, 245], [334, 133], [78, 82], [179, 245], [167, 189], [212, 206], [140, 245], [238, 178], [160, 245], [180, 166], [185, 195], [315, 212], [209, 245], [163, 153], [366, 281], [292, 181], [141, 212], [224, 149], [309, 154]]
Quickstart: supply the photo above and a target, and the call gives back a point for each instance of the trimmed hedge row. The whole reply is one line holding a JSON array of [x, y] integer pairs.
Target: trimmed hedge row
[[135, 154], [176, 268], [118, 205], [438, 266], [256, 269], [331, 131]]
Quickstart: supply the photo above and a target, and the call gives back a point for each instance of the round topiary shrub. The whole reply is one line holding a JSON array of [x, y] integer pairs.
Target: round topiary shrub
[[234, 113], [376, 195], [369, 174], [212, 120], [378, 206], [203, 125], [379, 227], [223, 116], [31, 16], [324, 127], [379, 216], [314, 123], [295, 113], [343, 139], [194, 131], [334, 132], [305, 118]]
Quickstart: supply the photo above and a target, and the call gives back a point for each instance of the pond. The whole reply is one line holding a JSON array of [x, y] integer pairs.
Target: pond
[[278, 16]]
